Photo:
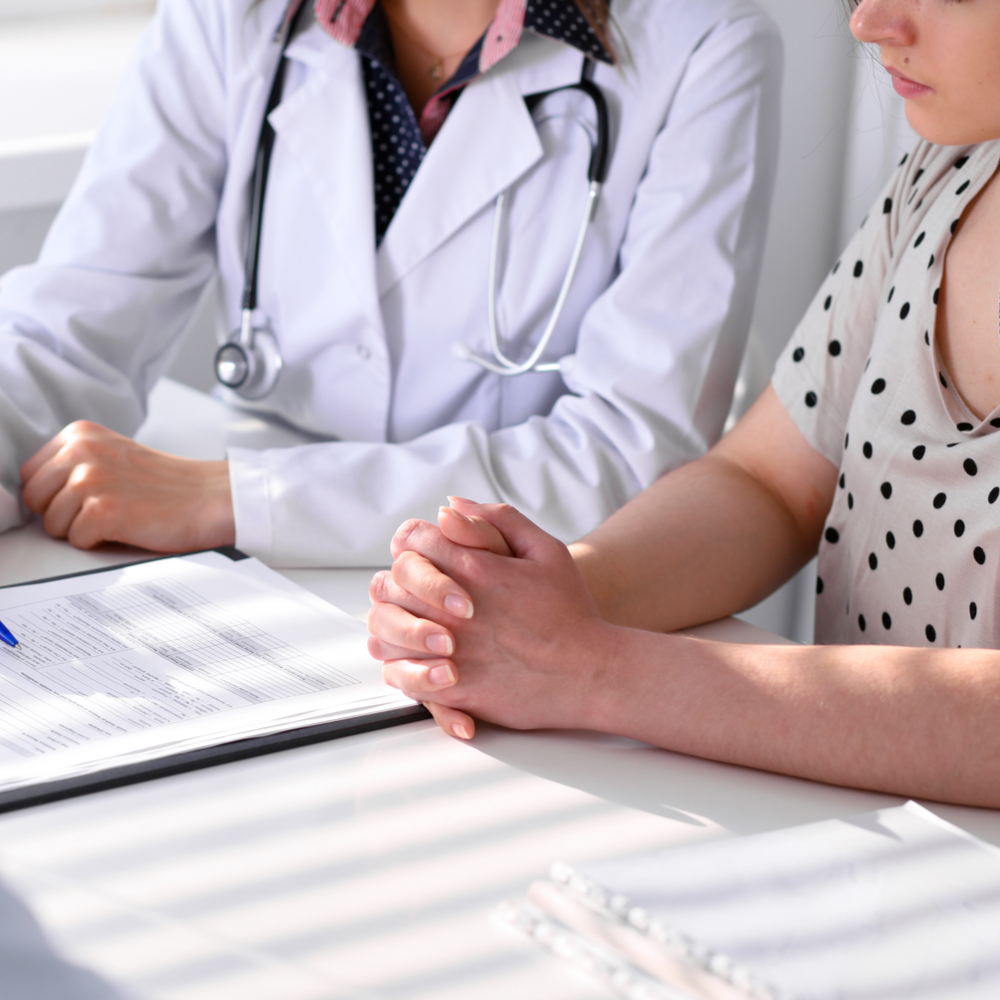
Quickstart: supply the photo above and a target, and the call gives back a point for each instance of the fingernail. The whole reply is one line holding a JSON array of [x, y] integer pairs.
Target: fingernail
[[461, 732], [451, 512], [458, 606], [438, 642], [441, 675], [453, 500]]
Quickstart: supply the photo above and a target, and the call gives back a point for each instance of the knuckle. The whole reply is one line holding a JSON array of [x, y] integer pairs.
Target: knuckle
[[403, 567], [378, 588], [405, 530], [84, 429], [104, 509], [414, 634]]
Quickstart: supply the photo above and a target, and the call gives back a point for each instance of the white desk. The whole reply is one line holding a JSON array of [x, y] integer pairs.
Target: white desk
[[366, 867]]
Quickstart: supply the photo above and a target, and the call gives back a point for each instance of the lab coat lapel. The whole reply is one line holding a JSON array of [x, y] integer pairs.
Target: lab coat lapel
[[325, 123], [487, 142]]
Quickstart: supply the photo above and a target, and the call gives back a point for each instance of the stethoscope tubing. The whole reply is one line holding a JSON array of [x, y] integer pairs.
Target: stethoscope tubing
[[267, 363], [506, 366], [597, 170]]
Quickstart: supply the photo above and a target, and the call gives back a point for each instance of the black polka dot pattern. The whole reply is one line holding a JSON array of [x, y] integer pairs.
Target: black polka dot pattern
[[905, 555], [397, 144], [564, 21]]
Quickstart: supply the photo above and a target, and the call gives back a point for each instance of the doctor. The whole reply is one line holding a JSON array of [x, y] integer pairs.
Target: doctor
[[396, 127]]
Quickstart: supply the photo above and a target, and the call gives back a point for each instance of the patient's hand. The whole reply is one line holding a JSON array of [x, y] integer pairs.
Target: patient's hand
[[469, 630], [91, 485]]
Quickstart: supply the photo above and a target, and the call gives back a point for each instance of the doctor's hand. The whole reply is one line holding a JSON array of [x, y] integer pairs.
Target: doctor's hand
[[470, 632], [91, 485]]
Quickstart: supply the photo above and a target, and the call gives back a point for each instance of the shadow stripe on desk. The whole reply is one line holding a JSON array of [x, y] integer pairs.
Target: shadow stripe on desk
[[263, 890], [113, 858]]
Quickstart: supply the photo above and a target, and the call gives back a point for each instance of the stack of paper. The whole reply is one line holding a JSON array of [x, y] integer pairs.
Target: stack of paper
[[891, 904]]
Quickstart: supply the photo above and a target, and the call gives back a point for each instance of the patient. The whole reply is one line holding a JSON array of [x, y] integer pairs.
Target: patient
[[877, 445]]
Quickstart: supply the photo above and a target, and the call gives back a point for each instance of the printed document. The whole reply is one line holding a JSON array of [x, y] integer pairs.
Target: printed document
[[170, 655]]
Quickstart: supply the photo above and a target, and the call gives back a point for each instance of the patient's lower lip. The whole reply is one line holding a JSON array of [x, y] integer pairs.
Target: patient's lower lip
[[907, 88]]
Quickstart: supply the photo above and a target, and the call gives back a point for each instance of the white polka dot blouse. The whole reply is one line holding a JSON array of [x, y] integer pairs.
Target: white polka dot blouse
[[911, 547]]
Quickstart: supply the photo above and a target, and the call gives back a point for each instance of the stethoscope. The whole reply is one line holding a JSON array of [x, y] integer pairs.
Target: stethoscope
[[250, 361]]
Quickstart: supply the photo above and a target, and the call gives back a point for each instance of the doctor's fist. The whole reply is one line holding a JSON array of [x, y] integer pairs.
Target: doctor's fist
[[91, 485]]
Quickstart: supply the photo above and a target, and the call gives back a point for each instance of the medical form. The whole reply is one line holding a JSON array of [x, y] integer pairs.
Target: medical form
[[166, 656]]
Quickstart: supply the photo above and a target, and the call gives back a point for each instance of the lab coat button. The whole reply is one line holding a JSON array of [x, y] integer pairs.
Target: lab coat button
[[363, 352]]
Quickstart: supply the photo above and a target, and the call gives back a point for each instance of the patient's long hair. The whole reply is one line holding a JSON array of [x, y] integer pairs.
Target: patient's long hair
[[597, 14]]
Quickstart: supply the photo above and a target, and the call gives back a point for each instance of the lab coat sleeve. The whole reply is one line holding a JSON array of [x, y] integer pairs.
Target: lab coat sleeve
[[652, 377], [85, 331]]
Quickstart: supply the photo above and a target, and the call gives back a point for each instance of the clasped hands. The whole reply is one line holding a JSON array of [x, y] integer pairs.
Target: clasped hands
[[91, 485], [487, 616]]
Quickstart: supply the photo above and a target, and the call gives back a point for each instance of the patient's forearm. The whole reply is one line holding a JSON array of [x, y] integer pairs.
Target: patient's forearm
[[715, 536], [913, 722], [706, 541]]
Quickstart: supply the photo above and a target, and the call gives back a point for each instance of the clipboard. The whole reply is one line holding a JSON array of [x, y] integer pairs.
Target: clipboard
[[222, 752]]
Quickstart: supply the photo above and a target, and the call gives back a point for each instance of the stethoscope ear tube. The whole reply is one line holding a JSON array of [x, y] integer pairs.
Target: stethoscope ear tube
[[250, 361], [261, 168], [597, 171]]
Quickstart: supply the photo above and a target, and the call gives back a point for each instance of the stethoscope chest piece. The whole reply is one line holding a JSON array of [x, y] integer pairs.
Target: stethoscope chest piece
[[249, 363]]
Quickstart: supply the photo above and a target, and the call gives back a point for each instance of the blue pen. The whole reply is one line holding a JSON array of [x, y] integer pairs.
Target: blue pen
[[7, 635]]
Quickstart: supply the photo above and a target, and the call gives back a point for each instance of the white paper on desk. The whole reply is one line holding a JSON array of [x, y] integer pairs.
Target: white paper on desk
[[891, 904], [167, 656]]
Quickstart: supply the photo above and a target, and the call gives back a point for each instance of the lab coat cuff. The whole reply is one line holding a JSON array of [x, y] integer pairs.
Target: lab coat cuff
[[248, 481]]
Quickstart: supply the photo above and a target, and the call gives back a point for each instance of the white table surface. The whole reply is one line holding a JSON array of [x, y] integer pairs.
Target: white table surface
[[365, 867]]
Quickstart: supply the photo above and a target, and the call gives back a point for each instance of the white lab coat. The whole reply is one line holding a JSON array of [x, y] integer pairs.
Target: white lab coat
[[651, 335]]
